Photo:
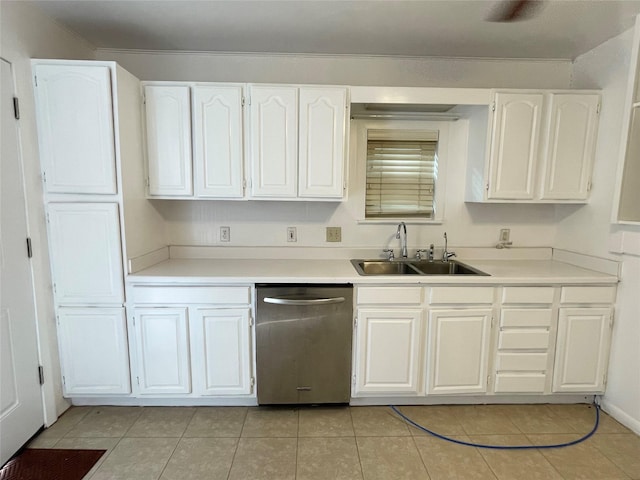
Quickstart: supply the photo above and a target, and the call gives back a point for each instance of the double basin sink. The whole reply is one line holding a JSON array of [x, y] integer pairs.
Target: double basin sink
[[413, 267]]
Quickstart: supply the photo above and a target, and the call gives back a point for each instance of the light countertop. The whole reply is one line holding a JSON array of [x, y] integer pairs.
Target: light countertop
[[248, 271]]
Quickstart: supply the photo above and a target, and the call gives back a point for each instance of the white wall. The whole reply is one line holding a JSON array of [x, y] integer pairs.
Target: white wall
[[587, 230], [264, 223], [343, 70], [26, 34]]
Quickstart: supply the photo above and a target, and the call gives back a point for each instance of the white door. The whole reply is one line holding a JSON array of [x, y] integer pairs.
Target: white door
[[86, 257], [168, 114], [93, 351], [74, 112], [217, 141], [274, 142], [573, 130], [20, 397], [221, 358], [388, 351], [322, 142], [515, 137], [458, 351], [582, 350], [162, 348]]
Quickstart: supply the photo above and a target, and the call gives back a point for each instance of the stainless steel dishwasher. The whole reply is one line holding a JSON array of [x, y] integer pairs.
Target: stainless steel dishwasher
[[303, 343]]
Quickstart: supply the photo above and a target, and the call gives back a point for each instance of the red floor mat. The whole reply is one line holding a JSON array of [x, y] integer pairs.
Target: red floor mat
[[50, 464]]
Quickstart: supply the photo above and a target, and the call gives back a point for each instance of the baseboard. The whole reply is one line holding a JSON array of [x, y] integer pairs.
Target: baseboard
[[472, 400], [621, 416]]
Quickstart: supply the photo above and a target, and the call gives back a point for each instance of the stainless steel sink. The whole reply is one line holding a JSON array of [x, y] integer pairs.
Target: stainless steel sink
[[381, 267], [413, 267]]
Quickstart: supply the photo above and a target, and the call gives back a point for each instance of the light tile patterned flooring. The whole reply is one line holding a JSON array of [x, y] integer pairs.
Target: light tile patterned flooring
[[371, 443]]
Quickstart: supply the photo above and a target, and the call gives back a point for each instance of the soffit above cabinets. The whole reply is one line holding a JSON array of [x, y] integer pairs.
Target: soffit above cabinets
[[435, 28]]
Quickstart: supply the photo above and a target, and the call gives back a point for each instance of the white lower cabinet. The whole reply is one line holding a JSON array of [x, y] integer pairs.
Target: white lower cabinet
[[162, 348], [93, 351], [388, 350], [582, 349], [458, 351], [220, 354]]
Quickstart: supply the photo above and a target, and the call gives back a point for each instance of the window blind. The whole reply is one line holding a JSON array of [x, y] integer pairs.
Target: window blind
[[401, 174]]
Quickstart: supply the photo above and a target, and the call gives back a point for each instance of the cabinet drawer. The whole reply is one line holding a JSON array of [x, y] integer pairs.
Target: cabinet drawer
[[520, 382], [527, 295], [523, 339], [588, 295], [393, 295], [521, 362], [240, 295], [461, 295], [526, 317]]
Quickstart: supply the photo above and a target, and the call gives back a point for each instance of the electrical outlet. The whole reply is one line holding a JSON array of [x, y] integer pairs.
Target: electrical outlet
[[505, 234], [225, 234], [334, 234], [292, 235]]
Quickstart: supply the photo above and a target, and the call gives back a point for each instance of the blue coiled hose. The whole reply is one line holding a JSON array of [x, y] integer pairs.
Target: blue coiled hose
[[502, 447]]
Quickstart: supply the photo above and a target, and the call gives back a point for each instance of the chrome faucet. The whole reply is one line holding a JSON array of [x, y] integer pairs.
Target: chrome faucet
[[429, 253], [446, 255], [403, 239]]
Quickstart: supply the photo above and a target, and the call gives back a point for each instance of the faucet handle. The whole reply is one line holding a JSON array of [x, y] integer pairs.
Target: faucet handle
[[419, 253], [389, 252]]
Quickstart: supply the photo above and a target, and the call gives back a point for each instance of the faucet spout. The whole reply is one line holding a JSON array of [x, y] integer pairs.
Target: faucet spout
[[402, 229]]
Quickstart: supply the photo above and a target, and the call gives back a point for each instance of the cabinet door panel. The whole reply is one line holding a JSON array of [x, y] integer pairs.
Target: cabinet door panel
[[514, 146], [168, 113], [218, 153], [322, 134], [75, 126], [274, 141], [458, 351], [573, 131], [582, 350], [388, 351], [162, 346], [221, 353], [93, 351], [86, 257]]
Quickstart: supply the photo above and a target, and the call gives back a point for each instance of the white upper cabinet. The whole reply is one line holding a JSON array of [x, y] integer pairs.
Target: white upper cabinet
[[274, 141], [86, 253], [217, 141], [541, 146], [514, 145], [75, 125], [93, 351], [322, 141], [573, 131], [168, 113]]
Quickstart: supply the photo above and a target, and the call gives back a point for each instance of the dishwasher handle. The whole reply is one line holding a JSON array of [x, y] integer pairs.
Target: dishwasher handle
[[303, 301]]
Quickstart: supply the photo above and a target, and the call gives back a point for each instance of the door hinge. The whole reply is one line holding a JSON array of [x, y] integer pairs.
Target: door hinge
[[252, 383], [589, 184], [41, 374], [16, 108], [353, 381], [486, 187], [138, 380], [355, 322], [58, 319], [244, 101], [134, 321], [44, 177], [35, 80], [611, 321], [250, 321], [64, 380], [488, 380], [493, 107], [29, 248], [598, 108], [55, 289], [146, 182]]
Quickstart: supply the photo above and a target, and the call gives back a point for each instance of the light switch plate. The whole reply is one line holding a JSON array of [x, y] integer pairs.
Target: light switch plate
[[334, 234]]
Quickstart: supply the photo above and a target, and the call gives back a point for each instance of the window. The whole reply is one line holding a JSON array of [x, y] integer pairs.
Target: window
[[401, 173]]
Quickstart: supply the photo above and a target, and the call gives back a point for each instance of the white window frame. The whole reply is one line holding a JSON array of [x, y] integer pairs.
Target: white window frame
[[358, 191]]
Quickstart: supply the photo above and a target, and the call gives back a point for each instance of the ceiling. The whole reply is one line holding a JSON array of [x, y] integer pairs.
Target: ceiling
[[562, 29]]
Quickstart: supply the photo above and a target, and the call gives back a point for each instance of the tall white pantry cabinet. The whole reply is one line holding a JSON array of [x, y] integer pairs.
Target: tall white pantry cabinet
[[83, 145]]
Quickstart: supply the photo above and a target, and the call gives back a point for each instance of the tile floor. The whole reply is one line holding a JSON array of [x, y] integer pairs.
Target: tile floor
[[239, 443]]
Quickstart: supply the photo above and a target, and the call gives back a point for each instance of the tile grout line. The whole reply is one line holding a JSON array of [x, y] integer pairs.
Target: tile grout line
[[177, 443], [426, 469], [355, 439], [235, 451]]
